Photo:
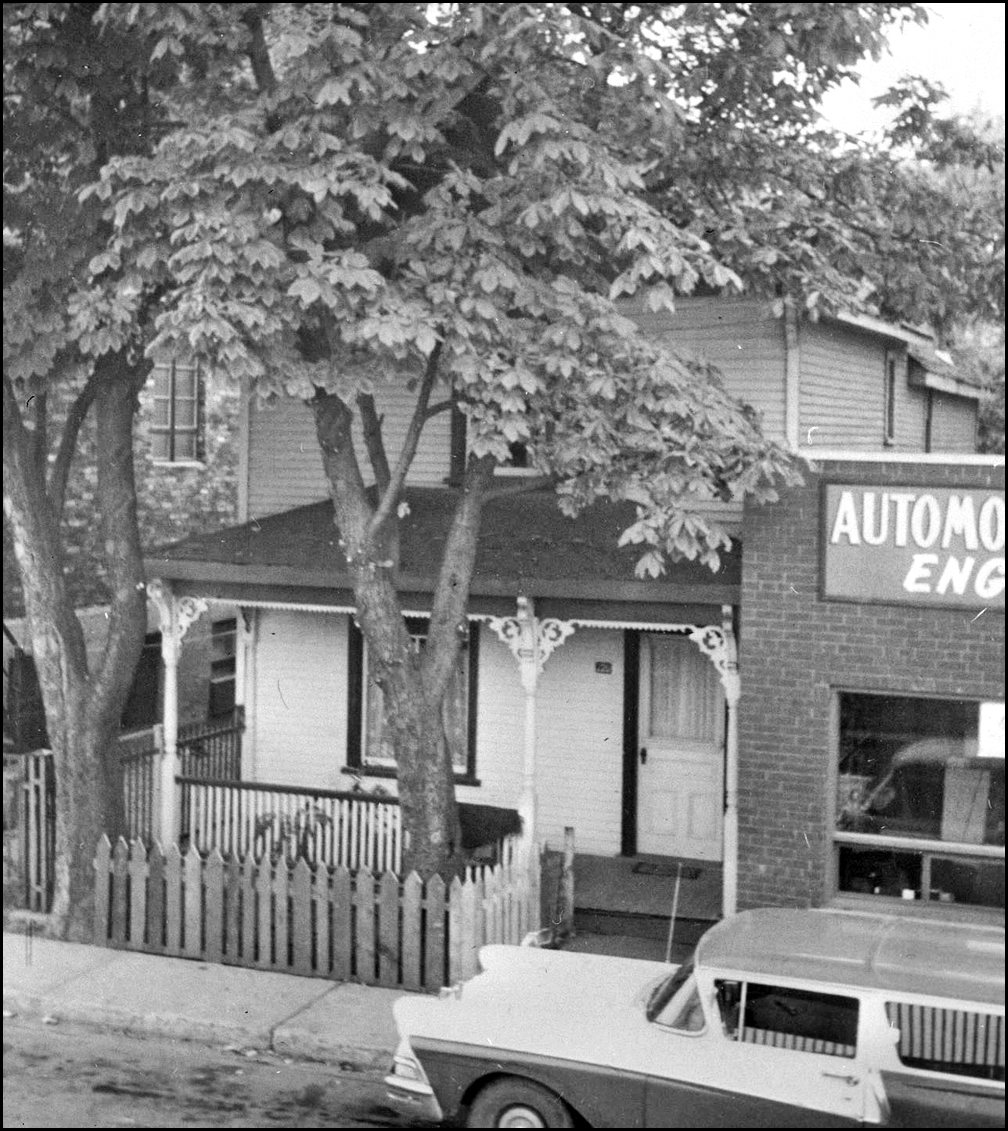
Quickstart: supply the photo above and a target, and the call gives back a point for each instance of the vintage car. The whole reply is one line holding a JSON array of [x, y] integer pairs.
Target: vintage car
[[781, 1018]]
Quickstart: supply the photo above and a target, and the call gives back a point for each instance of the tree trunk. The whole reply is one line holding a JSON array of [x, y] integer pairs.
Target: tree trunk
[[413, 685], [83, 702]]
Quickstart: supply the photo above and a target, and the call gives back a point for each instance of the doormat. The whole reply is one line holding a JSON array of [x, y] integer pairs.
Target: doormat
[[649, 868]]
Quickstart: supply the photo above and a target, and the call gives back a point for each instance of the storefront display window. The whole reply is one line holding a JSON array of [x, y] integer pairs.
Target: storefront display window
[[920, 811]]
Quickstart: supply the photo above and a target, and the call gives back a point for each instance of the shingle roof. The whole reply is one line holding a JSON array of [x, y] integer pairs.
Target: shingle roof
[[524, 543]]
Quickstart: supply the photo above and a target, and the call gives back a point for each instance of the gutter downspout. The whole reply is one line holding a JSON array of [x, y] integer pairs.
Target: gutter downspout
[[792, 375]]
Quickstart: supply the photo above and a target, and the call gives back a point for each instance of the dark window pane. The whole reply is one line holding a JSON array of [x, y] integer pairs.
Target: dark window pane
[[800, 1019]]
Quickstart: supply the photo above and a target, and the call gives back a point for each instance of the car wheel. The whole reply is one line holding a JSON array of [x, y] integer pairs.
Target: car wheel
[[518, 1103]]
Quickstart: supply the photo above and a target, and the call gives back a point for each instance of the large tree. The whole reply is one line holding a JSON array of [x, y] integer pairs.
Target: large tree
[[452, 200], [75, 95]]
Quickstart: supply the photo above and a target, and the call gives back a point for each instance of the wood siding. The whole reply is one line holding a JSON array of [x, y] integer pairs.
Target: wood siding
[[300, 704], [953, 424], [741, 337], [285, 465], [842, 393], [301, 723]]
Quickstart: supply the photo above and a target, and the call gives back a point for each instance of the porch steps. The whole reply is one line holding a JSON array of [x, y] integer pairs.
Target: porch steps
[[599, 921]]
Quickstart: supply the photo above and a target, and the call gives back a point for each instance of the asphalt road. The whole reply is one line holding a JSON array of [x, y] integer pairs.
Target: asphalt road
[[66, 1076]]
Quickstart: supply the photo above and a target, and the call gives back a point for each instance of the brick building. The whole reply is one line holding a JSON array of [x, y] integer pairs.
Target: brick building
[[821, 668]]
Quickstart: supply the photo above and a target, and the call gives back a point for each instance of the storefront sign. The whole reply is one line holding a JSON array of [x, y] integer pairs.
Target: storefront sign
[[914, 545]]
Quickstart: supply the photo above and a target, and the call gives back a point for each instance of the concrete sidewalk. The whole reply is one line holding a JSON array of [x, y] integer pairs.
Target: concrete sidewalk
[[339, 1023]]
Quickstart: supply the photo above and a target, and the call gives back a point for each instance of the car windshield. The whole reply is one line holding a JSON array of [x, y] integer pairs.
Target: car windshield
[[666, 990]]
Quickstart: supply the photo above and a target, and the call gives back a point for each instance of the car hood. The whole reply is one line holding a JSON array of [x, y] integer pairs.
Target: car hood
[[526, 995]]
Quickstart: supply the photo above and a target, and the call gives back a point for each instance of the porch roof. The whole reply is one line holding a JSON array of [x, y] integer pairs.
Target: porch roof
[[525, 546]]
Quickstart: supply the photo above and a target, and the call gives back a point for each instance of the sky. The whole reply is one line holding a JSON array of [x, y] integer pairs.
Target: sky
[[962, 46]]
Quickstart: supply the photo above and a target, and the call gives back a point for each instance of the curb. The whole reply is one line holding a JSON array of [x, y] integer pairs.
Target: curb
[[284, 1039], [111, 1018]]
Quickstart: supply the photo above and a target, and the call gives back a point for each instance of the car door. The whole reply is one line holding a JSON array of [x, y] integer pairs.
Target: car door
[[760, 1064]]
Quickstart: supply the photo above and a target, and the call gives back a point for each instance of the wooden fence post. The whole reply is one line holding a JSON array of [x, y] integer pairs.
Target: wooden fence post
[[192, 913], [174, 909], [388, 930], [341, 902], [412, 909], [156, 909], [567, 886], [101, 914], [120, 892], [434, 957], [138, 895], [301, 928], [281, 884], [365, 904], [214, 906]]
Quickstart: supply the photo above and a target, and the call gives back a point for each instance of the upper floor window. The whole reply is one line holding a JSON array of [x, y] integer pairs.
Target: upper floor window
[[889, 407], [176, 426]]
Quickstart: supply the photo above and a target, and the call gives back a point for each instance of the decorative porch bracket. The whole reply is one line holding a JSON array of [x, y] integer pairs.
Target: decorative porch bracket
[[175, 614], [532, 642]]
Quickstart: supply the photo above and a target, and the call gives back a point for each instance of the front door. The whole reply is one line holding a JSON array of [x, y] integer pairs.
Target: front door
[[680, 765]]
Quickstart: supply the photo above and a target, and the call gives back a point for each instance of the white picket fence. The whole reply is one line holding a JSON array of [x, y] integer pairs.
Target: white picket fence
[[338, 829], [313, 919]]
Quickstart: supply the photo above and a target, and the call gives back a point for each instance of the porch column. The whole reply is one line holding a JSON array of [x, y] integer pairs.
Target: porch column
[[732, 689], [175, 615], [531, 642]]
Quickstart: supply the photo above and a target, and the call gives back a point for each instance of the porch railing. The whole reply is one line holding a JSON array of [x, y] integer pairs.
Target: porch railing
[[207, 749], [211, 748], [339, 829]]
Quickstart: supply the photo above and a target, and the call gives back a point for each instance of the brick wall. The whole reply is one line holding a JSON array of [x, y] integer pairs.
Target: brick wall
[[795, 649]]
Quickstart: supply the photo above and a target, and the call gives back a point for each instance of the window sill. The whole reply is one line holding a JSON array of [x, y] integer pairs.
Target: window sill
[[389, 772], [184, 464]]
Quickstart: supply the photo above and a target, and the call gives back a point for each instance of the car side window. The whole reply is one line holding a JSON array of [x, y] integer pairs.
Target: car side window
[[785, 1017]]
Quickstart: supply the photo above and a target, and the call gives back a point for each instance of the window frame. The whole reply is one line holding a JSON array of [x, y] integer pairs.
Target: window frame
[[739, 1024], [173, 430], [915, 850], [356, 761]]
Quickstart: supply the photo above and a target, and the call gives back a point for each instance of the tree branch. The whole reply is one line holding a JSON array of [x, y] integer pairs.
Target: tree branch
[[451, 593], [40, 436], [437, 409], [371, 424], [398, 477], [259, 56], [60, 473]]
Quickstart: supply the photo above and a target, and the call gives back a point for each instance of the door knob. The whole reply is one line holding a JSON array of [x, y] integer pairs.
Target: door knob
[[643, 755]]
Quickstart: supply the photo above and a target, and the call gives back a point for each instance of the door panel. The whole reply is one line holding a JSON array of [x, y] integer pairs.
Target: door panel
[[680, 784]]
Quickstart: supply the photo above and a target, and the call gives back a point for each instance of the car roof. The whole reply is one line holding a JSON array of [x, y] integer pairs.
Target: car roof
[[862, 950]]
